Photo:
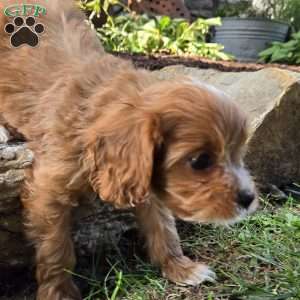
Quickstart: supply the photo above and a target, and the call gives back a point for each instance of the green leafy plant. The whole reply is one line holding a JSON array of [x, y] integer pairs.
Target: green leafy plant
[[142, 34], [288, 52]]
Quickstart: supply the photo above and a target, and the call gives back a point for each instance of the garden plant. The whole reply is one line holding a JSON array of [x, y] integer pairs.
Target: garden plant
[[143, 34], [288, 53]]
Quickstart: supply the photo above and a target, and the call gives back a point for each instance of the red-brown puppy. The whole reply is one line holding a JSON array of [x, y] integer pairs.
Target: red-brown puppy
[[96, 123]]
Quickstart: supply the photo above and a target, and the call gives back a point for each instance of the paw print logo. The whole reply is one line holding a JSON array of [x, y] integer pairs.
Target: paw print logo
[[24, 31]]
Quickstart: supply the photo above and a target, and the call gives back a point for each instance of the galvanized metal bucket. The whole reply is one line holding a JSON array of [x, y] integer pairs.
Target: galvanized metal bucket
[[245, 38]]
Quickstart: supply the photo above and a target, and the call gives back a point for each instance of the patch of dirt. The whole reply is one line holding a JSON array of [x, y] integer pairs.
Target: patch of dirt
[[156, 62]]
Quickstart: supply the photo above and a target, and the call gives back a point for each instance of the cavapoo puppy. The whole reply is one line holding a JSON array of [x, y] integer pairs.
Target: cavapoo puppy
[[96, 124]]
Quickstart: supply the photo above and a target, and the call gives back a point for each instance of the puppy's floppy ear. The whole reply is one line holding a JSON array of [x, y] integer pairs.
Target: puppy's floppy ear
[[121, 153]]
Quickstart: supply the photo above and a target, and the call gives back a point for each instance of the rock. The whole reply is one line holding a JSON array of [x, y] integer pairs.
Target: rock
[[99, 226], [271, 98], [13, 160]]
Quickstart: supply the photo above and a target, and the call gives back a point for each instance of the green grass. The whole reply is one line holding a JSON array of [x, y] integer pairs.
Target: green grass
[[257, 259]]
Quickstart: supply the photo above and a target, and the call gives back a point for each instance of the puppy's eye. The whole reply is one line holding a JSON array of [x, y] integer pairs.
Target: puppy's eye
[[201, 162]]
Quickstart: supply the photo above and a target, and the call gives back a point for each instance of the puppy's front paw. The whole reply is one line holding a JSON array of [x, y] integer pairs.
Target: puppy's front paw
[[200, 273], [4, 135], [182, 270]]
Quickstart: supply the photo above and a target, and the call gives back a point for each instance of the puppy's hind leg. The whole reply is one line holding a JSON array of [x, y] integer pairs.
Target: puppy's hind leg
[[158, 226]]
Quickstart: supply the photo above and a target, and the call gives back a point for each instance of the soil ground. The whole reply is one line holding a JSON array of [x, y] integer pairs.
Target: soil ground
[[156, 62]]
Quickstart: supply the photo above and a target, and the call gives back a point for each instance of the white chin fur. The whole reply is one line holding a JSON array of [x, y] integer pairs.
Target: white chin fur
[[241, 214]]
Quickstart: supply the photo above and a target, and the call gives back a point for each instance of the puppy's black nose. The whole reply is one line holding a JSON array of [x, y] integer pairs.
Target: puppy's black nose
[[245, 198]]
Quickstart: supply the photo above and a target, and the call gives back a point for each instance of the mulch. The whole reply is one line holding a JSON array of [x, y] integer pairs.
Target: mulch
[[156, 62]]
